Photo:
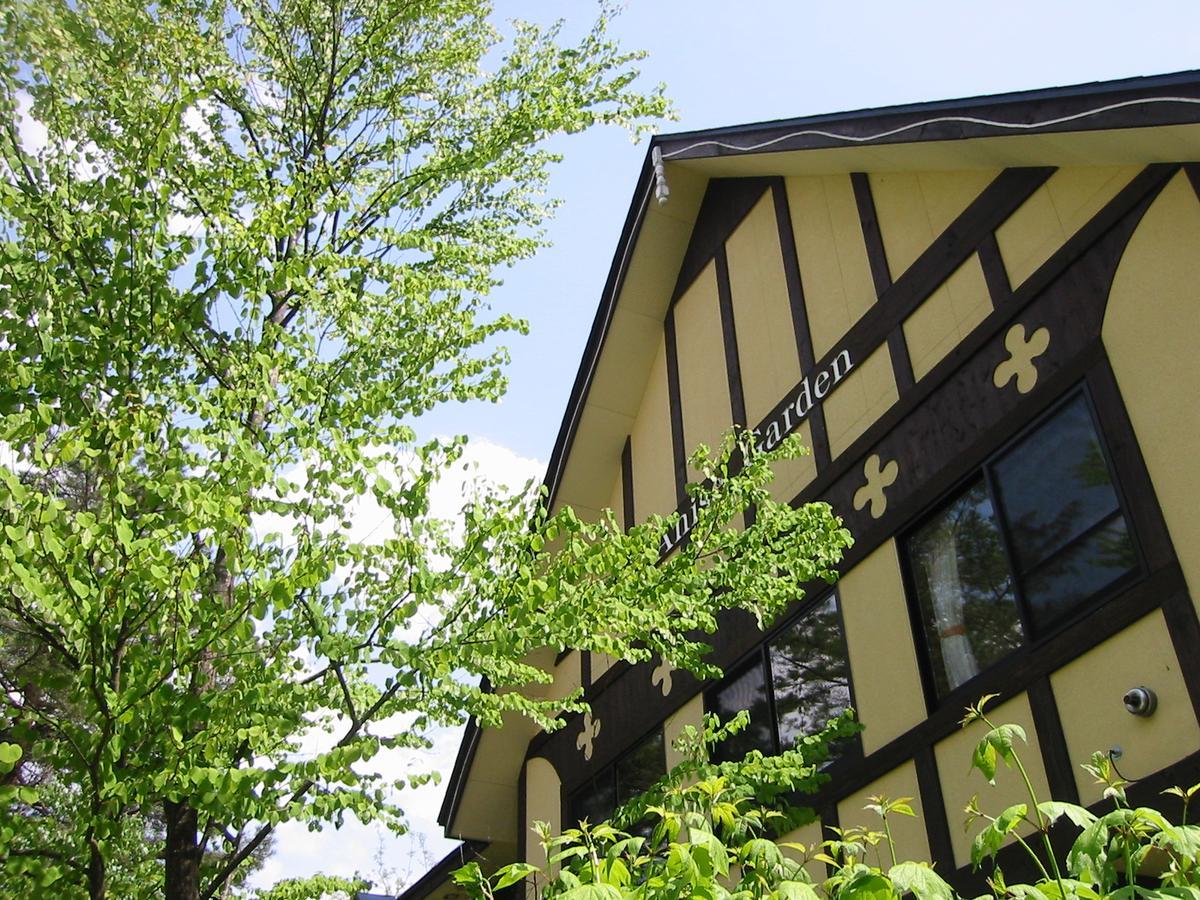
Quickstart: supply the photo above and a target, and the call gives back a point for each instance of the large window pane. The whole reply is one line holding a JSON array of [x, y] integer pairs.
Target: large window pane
[[641, 767], [964, 590], [1082, 570], [810, 672], [1068, 536], [1053, 486], [746, 691], [596, 801]]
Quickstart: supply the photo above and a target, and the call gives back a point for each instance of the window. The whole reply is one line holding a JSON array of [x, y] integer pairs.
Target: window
[[794, 685], [632, 774], [1035, 536]]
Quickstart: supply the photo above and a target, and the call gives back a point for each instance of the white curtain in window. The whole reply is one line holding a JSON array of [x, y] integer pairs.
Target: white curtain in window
[[948, 602]]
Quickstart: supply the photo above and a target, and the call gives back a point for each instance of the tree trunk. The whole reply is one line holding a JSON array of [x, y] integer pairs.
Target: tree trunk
[[182, 851], [97, 886]]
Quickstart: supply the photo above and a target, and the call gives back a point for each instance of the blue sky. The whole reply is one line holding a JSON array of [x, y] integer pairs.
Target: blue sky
[[725, 64]]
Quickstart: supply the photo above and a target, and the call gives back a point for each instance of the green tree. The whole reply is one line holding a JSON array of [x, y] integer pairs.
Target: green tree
[[316, 887], [253, 250]]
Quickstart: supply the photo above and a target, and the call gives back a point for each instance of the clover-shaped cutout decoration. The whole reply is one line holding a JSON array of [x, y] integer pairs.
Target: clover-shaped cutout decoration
[[1021, 354], [591, 728], [661, 676], [878, 477]]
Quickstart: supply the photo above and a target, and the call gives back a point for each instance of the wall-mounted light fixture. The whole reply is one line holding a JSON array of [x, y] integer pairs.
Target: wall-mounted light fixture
[[1140, 701]]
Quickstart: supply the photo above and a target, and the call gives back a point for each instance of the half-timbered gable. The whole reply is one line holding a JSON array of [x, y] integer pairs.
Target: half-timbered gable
[[981, 318]]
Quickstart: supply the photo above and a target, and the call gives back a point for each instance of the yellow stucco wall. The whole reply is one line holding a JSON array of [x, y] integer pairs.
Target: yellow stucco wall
[[908, 832], [861, 398], [1088, 694], [766, 337], [691, 713], [617, 501], [543, 803], [959, 785], [1055, 211], [833, 257], [810, 836], [1150, 331], [703, 382], [913, 208], [793, 475], [650, 446], [947, 316], [889, 697]]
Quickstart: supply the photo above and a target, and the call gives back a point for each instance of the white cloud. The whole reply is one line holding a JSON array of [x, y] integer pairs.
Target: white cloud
[[32, 133]]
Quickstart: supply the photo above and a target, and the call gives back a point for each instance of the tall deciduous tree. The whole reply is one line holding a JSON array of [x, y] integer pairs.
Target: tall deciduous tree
[[252, 249]]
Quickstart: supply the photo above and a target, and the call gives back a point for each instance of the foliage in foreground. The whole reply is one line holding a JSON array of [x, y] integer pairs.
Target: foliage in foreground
[[249, 249], [713, 833]]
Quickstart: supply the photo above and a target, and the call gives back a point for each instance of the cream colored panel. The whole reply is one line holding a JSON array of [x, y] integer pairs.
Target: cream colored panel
[[889, 698], [601, 663], [947, 316], [567, 677], [810, 836], [1088, 694], [1058, 209], [617, 502], [793, 475], [915, 208], [703, 383], [1150, 330], [861, 398], [833, 257], [691, 713], [762, 313], [653, 463], [543, 803], [958, 785], [908, 832]]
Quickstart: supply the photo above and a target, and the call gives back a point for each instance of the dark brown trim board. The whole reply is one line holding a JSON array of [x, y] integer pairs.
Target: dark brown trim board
[[628, 509], [675, 403], [733, 365], [1131, 102]]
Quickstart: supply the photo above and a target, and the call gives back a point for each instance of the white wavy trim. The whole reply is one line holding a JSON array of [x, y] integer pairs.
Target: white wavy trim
[[973, 120]]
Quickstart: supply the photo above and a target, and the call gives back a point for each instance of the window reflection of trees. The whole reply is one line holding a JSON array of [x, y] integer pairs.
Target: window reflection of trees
[[810, 673], [794, 686]]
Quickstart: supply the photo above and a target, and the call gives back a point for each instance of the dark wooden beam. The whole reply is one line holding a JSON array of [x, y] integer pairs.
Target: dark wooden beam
[[675, 404], [1060, 771], [733, 365], [628, 510]]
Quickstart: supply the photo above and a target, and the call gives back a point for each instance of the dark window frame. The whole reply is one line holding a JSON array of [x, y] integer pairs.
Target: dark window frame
[[760, 656], [610, 772], [1034, 636]]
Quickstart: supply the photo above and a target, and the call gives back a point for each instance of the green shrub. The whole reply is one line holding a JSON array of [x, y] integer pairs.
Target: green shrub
[[713, 834]]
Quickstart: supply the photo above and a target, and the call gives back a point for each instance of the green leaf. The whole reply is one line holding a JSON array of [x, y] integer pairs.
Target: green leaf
[[919, 879], [1053, 810], [996, 744], [991, 839], [794, 890], [512, 873], [868, 885], [592, 892]]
